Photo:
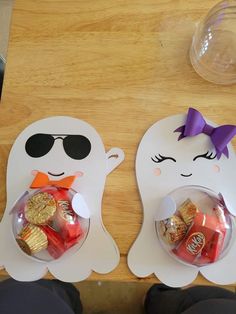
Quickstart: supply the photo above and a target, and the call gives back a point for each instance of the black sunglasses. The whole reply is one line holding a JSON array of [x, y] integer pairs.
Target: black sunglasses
[[76, 146]]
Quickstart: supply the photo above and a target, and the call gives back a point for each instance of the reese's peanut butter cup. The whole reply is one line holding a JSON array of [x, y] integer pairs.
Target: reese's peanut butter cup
[[188, 211], [32, 239], [40, 208], [173, 229]]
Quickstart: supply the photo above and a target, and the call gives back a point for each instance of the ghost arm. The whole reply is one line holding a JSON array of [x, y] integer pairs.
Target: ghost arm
[[80, 206], [114, 157], [166, 209]]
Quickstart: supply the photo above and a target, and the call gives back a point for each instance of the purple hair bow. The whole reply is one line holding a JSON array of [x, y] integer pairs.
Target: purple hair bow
[[220, 136]]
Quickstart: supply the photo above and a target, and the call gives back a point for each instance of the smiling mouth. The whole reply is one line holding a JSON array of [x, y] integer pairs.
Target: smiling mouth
[[186, 175], [56, 174]]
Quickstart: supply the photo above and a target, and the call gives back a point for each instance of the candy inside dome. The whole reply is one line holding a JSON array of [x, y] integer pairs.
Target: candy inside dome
[[201, 230], [45, 225]]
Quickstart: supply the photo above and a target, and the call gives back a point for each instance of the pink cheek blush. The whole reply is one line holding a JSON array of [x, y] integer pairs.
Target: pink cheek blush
[[216, 168], [157, 172], [79, 174]]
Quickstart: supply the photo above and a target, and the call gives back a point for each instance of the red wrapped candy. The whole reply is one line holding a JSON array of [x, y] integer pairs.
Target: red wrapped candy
[[214, 248], [67, 220], [204, 241], [56, 245]]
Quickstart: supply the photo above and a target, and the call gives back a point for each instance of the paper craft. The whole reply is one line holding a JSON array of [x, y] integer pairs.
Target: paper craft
[[181, 157], [62, 160]]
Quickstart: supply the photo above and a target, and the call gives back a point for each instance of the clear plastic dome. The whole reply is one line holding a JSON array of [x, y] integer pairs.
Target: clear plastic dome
[[201, 230], [45, 225], [213, 49]]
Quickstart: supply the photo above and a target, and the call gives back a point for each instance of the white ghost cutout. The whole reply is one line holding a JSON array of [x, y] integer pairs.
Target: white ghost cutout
[[99, 252], [157, 180]]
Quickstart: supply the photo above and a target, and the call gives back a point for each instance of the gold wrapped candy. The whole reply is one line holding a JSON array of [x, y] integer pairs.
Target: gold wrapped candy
[[40, 208], [188, 211], [32, 239], [173, 229]]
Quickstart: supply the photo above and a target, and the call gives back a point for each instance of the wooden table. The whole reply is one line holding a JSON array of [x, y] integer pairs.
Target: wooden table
[[120, 65]]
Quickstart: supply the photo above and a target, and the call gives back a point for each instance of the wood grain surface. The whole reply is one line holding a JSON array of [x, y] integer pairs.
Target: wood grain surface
[[120, 65]]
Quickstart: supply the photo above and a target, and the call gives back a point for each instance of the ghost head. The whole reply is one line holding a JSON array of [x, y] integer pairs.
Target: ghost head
[[163, 164], [60, 147]]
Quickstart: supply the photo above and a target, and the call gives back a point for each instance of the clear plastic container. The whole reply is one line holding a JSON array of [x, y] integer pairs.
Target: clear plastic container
[[200, 232], [45, 226], [213, 50]]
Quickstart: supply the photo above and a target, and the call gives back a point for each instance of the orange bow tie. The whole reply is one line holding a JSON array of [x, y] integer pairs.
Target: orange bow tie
[[41, 179]]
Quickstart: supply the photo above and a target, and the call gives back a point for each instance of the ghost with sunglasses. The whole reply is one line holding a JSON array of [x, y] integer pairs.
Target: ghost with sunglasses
[[60, 147]]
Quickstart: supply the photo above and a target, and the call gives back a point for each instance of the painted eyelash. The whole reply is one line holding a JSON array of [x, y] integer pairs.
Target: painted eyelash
[[207, 155], [161, 158]]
